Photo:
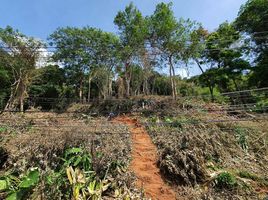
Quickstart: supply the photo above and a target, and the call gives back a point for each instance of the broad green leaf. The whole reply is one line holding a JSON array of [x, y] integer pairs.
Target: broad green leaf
[[30, 180], [3, 185], [73, 150], [18, 195], [12, 196]]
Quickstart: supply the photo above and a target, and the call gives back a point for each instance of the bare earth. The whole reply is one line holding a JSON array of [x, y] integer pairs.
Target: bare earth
[[144, 158]]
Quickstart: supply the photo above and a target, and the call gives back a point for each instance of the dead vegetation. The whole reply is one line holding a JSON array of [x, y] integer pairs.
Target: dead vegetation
[[204, 151], [44, 142], [196, 146]]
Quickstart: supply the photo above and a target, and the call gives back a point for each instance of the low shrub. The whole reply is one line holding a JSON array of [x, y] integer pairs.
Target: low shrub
[[226, 180]]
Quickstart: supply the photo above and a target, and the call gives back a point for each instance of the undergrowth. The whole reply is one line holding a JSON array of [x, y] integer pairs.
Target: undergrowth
[[226, 180], [75, 178]]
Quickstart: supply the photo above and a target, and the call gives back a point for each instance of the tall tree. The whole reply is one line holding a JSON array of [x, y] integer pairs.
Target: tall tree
[[106, 59], [170, 37], [253, 20], [83, 51], [197, 52], [21, 55], [224, 54], [133, 32], [71, 51]]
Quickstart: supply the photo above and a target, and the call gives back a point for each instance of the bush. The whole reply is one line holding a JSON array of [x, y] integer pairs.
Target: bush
[[226, 180], [262, 106]]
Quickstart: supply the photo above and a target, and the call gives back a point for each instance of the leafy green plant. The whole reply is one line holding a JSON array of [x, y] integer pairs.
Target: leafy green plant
[[226, 180], [77, 157], [18, 188], [242, 138], [76, 178], [261, 106]]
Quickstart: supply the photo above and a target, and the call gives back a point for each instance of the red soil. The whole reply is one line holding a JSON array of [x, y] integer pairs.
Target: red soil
[[144, 158]]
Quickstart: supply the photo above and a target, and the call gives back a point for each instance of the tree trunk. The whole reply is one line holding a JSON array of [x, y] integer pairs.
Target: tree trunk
[[12, 96], [89, 87], [211, 93], [121, 88], [17, 94], [22, 91], [145, 86], [208, 81], [21, 103], [110, 88], [174, 82], [127, 79], [127, 87], [81, 91], [172, 79], [107, 89]]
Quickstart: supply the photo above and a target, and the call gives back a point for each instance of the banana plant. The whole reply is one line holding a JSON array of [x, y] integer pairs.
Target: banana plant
[[96, 189]]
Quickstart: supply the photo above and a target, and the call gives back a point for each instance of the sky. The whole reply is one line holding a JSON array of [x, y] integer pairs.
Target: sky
[[39, 18]]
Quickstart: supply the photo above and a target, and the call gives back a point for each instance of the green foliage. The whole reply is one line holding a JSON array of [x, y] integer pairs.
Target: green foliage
[[77, 157], [226, 180], [241, 135], [187, 89], [83, 52], [133, 29], [3, 185], [162, 85], [262, 105], [252, 19], [18, 61], [227, 64], [18, 188], [93, 59], [76, 178]]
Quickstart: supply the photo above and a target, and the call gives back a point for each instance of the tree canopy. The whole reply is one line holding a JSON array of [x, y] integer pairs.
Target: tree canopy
[[87, 63]]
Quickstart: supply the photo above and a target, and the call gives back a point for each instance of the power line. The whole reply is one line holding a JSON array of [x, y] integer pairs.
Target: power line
[[84, 46]]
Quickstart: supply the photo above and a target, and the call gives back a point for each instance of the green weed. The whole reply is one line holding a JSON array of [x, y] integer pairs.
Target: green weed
[[241, 136], [226, 180]]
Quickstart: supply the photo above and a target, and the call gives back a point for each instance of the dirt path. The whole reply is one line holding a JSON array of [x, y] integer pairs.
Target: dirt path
[[144, 157]]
